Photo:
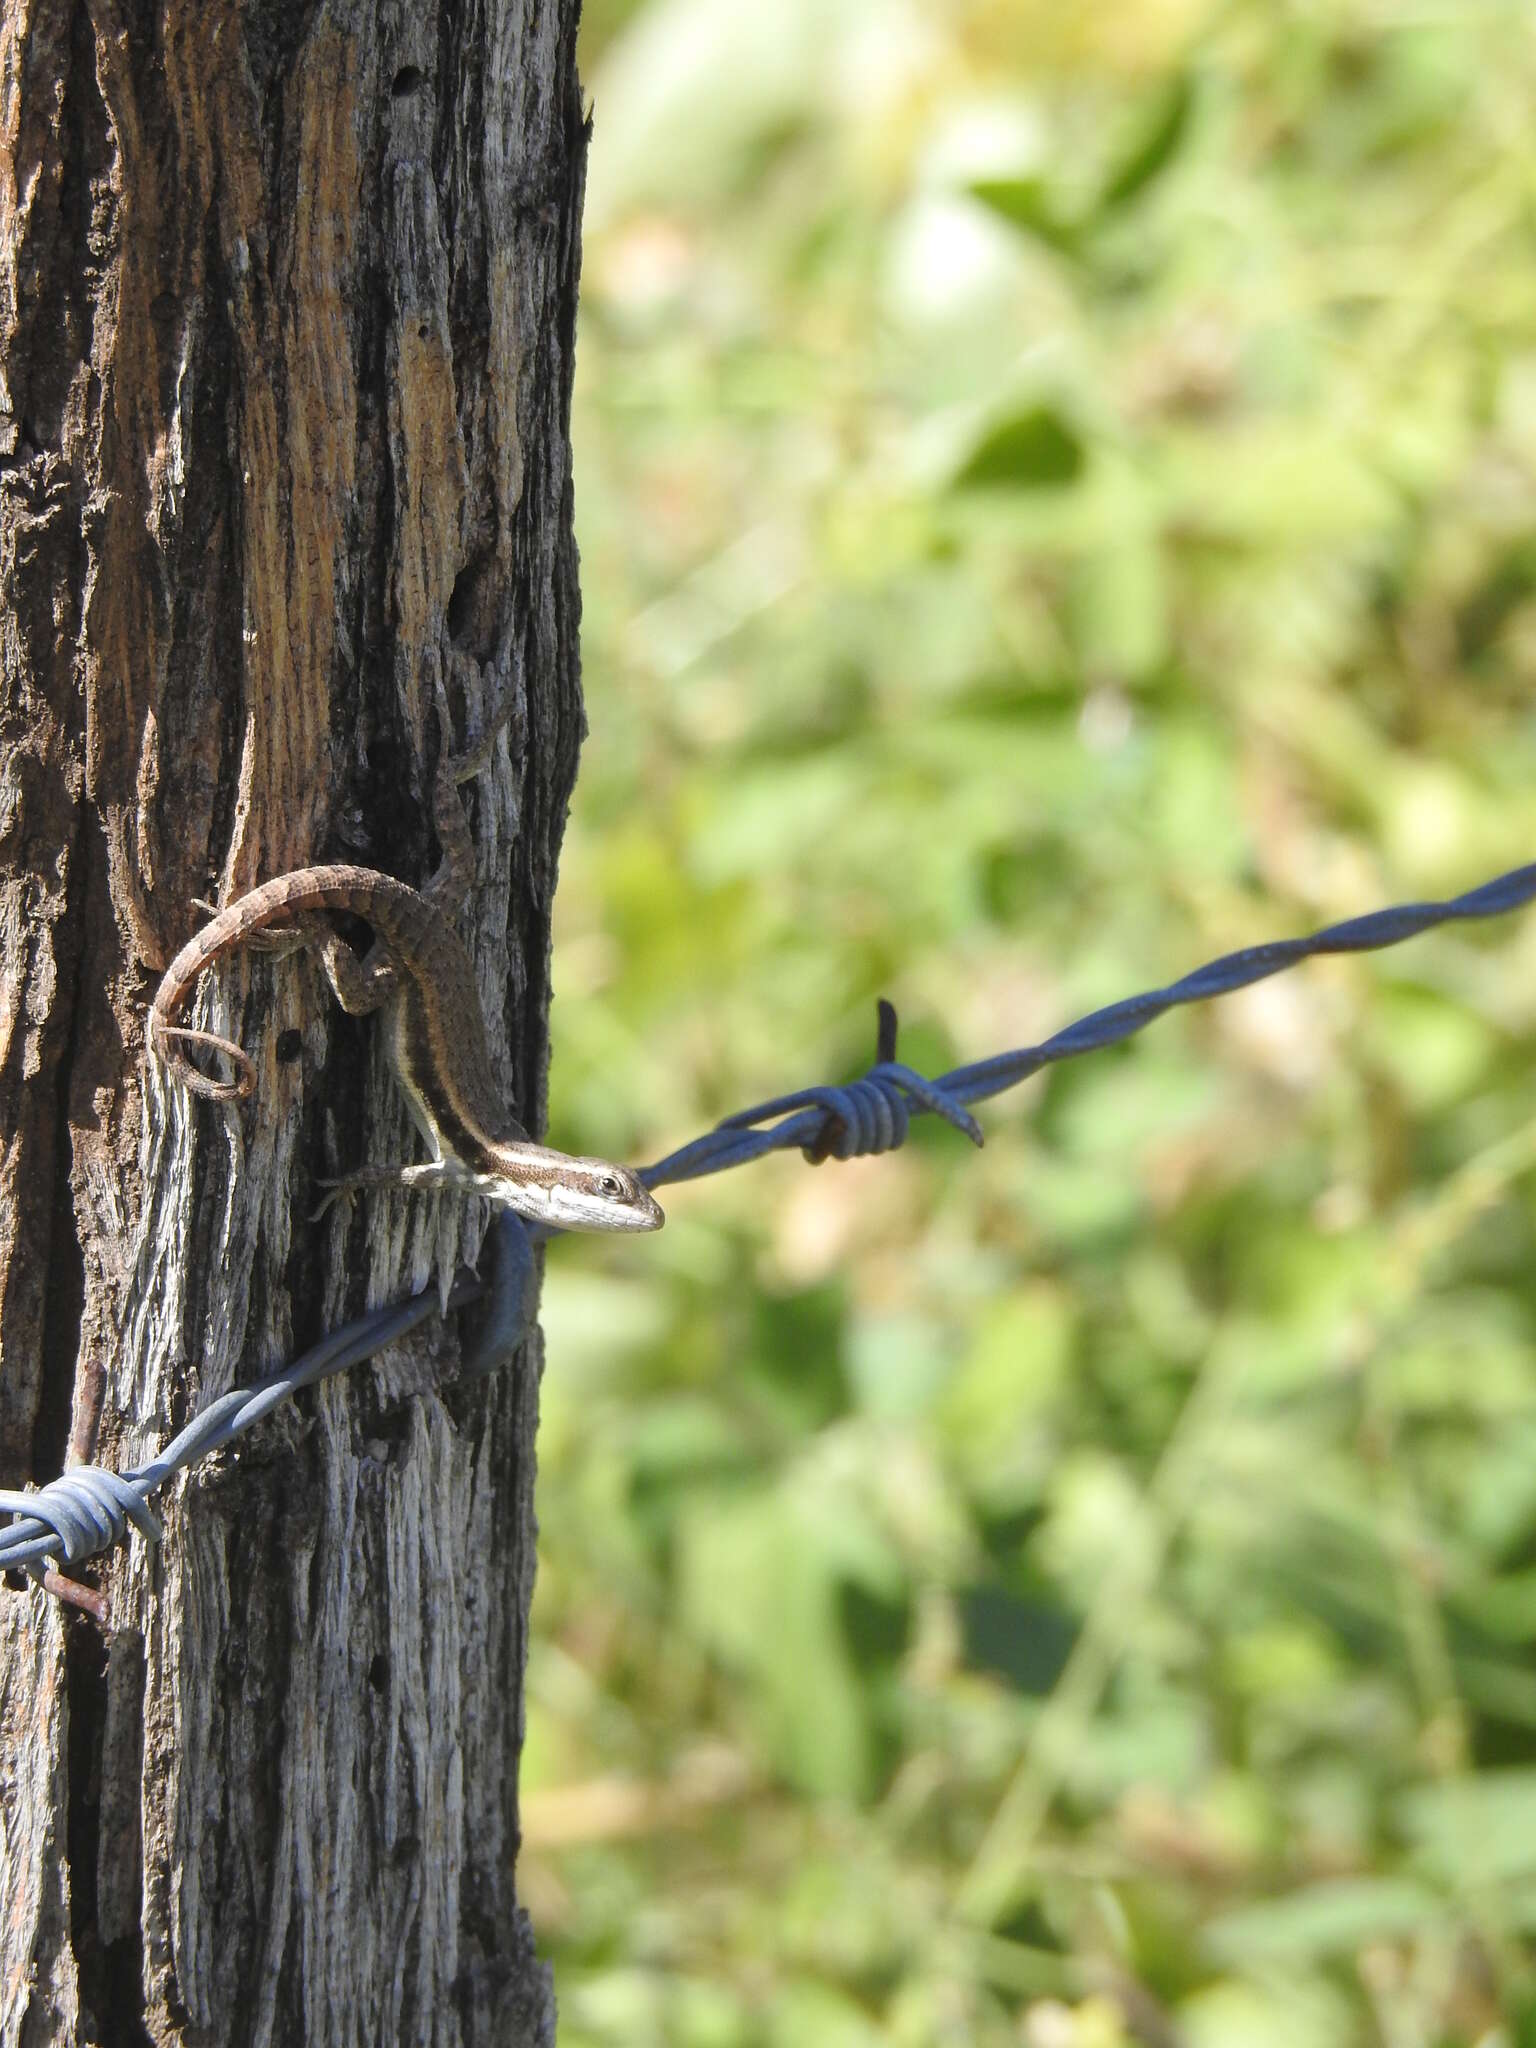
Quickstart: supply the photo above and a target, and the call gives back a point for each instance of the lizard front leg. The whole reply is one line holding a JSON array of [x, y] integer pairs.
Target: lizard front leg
[[430, 1173]]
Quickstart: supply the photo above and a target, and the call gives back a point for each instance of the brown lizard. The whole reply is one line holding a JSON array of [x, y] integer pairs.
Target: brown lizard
[[421, 975]]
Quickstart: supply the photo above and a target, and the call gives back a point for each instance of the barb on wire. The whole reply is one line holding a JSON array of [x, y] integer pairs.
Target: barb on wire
[[88, 1509]]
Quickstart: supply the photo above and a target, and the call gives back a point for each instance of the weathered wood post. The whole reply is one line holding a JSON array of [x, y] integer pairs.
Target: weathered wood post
[[287, 295]]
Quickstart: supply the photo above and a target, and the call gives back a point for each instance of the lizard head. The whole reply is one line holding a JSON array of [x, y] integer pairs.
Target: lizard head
[[582, 1194]]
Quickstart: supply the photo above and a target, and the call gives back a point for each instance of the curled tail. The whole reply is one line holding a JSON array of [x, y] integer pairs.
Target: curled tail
[[170, 1042], [377, 897]]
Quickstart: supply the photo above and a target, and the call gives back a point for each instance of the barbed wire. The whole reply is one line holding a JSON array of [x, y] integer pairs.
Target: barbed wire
[[88, 1509], [872, 1113]]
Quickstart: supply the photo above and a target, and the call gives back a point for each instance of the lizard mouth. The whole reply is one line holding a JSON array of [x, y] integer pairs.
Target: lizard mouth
[[578, 1211], [647, 1213]]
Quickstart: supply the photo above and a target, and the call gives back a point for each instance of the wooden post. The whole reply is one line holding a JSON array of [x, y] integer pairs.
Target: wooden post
[[287, 297]]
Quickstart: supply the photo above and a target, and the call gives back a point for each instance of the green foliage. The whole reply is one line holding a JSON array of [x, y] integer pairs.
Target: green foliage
[[1057, 492]]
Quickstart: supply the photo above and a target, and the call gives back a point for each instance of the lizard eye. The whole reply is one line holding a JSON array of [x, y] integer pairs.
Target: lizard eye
[[610, 1184]]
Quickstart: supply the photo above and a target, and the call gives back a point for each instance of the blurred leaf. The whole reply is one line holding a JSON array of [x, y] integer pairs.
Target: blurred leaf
[[1150, 154], [1037, 449], [759, 1581], [1501, 1691], [1024, 1641], [1505, 1607], [686, 98], [1284, 2010], [809, 2011], [896, 1363], [1324, 1919], [798, 1346], [1120, 608], [994, 1402], [1474, 1829], [682, 1439], [1434, 1048], [1507, 581], [1029, 203]]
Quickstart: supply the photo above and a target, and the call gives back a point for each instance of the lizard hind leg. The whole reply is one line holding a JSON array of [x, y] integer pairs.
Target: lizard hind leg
[[360, 983], [278, 940]]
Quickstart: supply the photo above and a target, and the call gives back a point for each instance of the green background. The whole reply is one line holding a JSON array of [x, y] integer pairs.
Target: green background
[[1057, 496]]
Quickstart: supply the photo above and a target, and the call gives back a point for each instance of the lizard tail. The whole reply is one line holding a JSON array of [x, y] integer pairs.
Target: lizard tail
[[169, 1041]]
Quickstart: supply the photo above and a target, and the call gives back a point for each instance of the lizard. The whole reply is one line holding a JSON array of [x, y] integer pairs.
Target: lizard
[[420, 975]]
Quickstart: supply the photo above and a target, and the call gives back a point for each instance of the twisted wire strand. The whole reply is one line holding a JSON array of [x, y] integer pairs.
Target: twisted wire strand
[[871, 1114], [89, 1509]]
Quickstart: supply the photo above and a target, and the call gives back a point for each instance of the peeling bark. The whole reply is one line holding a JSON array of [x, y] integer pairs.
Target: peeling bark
[[287, 295]]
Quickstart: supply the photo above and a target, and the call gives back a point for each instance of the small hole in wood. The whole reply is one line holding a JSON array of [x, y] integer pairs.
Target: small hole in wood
[[407, 79], [289, 1045]]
